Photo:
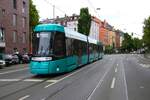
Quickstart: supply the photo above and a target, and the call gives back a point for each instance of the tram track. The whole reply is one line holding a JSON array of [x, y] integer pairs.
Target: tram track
[[34, 85], [23, 89], [13, 82], [69, 84]]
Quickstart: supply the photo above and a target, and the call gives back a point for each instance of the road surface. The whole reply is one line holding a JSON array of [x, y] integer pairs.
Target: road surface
[[115, 77]]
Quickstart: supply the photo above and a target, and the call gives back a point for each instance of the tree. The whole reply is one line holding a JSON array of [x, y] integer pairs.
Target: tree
[[137, 44], [33, 14], [146, 30], [33, 21], [109, 49], [84, 22], [127, 43]]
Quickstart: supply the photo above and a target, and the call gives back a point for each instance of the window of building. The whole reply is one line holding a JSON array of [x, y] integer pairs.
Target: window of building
[[24, 38], [0, 12], [14, 36], [14, 19], [3, 11], [23, 22], [2, 34], [23, 7], [15, 4]]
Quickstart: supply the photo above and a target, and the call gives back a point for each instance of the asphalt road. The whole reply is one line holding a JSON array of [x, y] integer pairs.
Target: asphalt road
[[115, 77]]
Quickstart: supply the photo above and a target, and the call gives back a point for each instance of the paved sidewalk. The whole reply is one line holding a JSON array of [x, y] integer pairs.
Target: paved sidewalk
[[147, 56]]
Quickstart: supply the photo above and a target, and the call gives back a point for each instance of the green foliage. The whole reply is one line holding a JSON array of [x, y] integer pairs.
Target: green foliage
[[109, 49], [127, 43], [137, 44], [33, 14], [84, 22], [33, 21], [146, 30]]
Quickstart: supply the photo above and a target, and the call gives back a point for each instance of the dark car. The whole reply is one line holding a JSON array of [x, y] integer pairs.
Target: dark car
[[25, 58]]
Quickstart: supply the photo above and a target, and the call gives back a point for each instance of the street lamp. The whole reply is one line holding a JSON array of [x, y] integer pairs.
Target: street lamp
[[98, 8]]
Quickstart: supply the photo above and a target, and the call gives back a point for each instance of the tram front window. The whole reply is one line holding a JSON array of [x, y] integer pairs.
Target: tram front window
[[42, 44], [49, 44]]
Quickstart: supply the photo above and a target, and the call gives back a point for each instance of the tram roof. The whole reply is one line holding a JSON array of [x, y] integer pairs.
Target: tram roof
[[91, 40], [49, 27], [75, 35]]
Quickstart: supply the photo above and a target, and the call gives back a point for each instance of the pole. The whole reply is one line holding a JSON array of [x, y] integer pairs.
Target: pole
[[53, 11]]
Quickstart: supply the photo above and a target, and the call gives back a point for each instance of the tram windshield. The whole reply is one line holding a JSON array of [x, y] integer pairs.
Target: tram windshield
[[49, 44], [42, 44]]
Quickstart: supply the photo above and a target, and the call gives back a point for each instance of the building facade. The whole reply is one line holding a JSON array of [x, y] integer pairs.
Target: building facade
[[95, 28], [118, 45], [104, 33], [99, 30], [14, 26]]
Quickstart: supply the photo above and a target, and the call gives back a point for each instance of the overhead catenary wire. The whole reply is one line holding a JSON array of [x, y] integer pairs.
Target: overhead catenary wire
[[91, 4], [55, 7], [138, 34]]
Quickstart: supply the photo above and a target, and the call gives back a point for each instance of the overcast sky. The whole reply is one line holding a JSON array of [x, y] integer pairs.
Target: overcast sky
[[127, 15]]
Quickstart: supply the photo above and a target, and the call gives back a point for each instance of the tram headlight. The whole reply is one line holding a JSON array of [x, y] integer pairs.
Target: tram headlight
[[41, 58]]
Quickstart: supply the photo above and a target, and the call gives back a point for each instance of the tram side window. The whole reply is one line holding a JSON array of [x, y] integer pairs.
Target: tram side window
[[84, 48], [101, 48], [90, 49], [75, 46], [80, 50], [59, 44], [69, 47]]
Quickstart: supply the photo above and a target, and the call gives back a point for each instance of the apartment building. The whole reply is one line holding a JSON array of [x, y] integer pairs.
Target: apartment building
[[14, 26]]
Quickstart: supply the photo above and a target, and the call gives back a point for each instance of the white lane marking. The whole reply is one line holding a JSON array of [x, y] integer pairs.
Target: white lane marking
[[43, 99], [33, 80], [116, 70], [9, 80], [27, 80], [12, 71], [24, 97], [113, 83], [65, 77], [145, 65], [141, 87], [52, 81], [126, 91], [99, 84]]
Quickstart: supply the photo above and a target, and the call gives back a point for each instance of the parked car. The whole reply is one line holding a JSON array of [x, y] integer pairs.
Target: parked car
[[8, 59], [30, 56], [2, 61], [15, 59], [25, 58]]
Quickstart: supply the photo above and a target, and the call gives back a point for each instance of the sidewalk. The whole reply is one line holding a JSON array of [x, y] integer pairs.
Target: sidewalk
[[144, 61], [147, 56]]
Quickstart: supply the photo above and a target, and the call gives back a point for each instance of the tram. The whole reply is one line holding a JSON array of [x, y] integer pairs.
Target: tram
[[57, 49]]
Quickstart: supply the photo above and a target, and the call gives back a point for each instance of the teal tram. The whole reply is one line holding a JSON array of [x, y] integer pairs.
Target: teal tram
[[57, 49]]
